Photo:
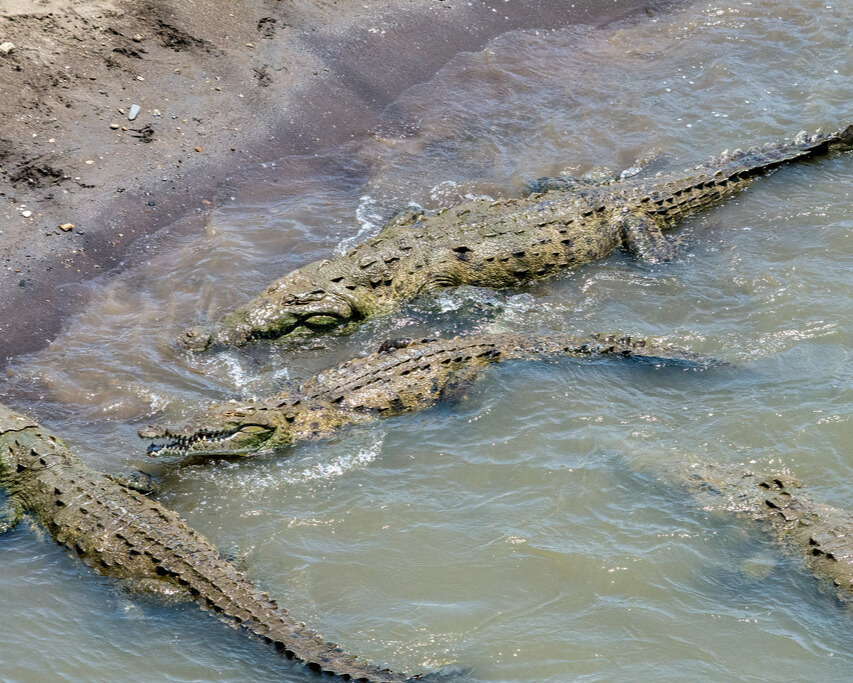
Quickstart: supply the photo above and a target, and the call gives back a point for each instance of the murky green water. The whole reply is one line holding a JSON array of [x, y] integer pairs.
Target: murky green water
[[524, 532]]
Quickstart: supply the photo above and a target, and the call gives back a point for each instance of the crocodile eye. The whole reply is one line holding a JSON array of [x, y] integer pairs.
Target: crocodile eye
[[319, 322]]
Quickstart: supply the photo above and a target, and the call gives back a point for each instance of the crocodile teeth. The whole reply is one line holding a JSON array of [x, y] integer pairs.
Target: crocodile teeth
[[154, 448], [182, 443]]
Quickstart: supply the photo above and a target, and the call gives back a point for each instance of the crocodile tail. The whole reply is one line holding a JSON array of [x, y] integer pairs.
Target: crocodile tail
[[296, 641], [527, 346], [845, 138], [237, 602], [754, 160], [645, 350]]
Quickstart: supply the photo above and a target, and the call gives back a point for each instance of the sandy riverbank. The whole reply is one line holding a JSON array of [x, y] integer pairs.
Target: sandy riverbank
[[219, 84]]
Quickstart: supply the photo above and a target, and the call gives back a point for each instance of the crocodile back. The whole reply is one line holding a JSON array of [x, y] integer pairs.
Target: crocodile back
[[125, 535], [481, 242], [401, 380], [414, 374]]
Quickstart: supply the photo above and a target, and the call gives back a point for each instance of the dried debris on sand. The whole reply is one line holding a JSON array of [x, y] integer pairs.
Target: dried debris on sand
[[108, 102]]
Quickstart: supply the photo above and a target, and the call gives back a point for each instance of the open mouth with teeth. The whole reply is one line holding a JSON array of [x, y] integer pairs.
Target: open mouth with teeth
[[243, 440]]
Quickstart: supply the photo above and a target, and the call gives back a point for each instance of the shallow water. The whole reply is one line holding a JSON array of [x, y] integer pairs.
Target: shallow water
[[526, 531]]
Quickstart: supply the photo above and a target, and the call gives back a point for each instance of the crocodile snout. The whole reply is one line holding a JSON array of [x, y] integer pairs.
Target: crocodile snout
[[196, 338], [151, 432]]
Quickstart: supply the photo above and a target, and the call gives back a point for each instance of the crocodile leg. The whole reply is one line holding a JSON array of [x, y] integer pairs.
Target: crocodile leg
[[458, 383], [136, 481], [642, 237], [594, 178], [11, 513]]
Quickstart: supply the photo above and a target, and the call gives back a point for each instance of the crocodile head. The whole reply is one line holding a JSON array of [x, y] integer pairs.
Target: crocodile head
[[295, 303], [222, 430], [25, 447]]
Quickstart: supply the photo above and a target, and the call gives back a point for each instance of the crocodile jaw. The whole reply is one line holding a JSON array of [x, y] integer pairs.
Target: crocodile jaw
[[244, 440], [306, 317], [292, 304]]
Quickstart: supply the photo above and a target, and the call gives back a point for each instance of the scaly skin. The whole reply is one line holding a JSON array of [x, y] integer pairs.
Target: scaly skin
[[403, 376], [820, 534], [501, 243], [123, 534]]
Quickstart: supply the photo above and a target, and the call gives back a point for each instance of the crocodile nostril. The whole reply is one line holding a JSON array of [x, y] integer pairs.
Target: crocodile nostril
[[196, 338]]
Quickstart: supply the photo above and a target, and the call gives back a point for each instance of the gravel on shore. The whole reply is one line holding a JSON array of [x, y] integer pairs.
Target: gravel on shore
[[120, 116]]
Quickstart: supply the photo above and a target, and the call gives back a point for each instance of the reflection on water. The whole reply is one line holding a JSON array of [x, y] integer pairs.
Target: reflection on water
[[524, 531]]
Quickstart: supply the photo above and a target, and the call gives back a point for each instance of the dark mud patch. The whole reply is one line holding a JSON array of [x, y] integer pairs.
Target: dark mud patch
[[212, 85]]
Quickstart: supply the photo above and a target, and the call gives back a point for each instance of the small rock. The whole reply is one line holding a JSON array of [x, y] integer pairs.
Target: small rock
[[134, 112], [140, 78], [114, 126], [26, 214], [7, 47], [198, 149], [66, 227]]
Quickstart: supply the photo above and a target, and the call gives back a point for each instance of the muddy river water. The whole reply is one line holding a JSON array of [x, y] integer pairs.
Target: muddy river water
[[527, 530]]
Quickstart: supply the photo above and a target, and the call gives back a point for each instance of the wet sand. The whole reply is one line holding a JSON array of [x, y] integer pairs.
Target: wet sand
[[219, 86]]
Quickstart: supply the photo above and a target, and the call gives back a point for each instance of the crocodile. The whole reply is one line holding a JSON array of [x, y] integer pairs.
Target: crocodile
[[498, 243], [402, 376], [124, 534], [821, 535]]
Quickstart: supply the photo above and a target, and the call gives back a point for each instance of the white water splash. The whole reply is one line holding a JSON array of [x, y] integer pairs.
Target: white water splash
[[340, 465], [329, 461], [371, 219], [449, 192]]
